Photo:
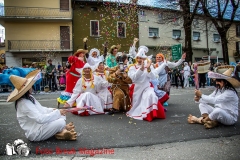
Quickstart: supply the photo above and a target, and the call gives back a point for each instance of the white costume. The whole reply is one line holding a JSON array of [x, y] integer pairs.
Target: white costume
[[163, 75], [94, 61], [104, 93], [186, 74], [144, 99], [85, 93], [38, 122], [225, 108]]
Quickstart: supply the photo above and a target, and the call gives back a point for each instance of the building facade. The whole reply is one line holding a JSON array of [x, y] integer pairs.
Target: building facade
[[104, 22], [160, 29], [233, 36], [36, 31]]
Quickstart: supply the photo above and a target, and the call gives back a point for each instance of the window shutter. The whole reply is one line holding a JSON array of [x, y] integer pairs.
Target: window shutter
[[64, 5]]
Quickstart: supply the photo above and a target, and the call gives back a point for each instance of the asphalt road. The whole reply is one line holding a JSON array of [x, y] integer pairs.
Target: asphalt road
[[118, 131]]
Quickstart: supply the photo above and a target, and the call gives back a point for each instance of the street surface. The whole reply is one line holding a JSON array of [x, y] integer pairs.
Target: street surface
[[120, 137]]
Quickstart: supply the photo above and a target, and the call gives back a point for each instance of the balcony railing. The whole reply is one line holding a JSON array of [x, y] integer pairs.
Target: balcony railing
[[39, 45], [34, 12]]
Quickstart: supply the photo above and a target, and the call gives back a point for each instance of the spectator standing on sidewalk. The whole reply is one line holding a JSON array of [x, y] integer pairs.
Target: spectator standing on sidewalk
[[51, 76]]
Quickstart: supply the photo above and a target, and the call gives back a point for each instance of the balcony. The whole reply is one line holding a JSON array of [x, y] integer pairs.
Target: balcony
[[35, 13], [39, 45]]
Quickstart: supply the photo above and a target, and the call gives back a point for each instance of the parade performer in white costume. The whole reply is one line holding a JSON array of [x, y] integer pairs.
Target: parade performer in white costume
[[224, 98], [145, 104], [186, 74], [39, 123], [104, 92], [163, 77], [85, 93], [94, 57]]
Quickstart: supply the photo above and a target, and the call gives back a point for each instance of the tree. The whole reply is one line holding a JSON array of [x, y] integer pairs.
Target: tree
[[188, 17], [222, 14]]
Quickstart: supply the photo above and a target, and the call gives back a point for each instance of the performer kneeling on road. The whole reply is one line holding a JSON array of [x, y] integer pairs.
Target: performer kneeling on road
[[224, 99], [39, 123]]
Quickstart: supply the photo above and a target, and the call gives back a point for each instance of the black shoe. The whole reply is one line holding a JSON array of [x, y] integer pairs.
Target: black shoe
[[112, 111]]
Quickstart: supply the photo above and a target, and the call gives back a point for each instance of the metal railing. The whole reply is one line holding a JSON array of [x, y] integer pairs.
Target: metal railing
[[34, 12], [59, 45]]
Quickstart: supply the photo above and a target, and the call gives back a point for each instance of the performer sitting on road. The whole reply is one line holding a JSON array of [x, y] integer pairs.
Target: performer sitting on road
[[145, 104], [120, 85], [85, 93], [72, 76], [39, 123], [224, 98], [104, 92]]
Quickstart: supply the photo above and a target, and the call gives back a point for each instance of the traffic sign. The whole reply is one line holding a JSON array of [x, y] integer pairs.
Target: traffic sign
[[176, 51]]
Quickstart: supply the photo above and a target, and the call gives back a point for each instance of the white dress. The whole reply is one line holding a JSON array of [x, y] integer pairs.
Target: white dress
[[38, 122], [104, 92], [144, 99], [88, 96]]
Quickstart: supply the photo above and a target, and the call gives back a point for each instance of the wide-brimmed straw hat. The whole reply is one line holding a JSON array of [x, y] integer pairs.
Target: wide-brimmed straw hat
[[80, 51], [114, 46], [203, 67], [22, 85], [221, 69], [226, 75]]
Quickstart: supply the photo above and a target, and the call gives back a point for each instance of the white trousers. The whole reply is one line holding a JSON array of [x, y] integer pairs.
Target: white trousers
[[217, 114], [50, 129], [186, 81]]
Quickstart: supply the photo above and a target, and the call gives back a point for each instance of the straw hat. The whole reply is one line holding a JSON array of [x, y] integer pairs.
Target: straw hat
[[114, 46], [80, 51], [22, 85], [203, 67], [226, 75], [221, 69]]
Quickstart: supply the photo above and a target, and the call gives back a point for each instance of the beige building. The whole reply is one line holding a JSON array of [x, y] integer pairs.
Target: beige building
[[233, 36], [36, 31], [159, 30]]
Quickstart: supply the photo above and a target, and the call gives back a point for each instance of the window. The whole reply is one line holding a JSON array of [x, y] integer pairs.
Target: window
[[196, 36], [142, 13], [176, 34], [64, 5], [238, 30], [216, 38], [153, 32], [121, 29], [176, 21], [160, 18], [94, 30], [142, 16]]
